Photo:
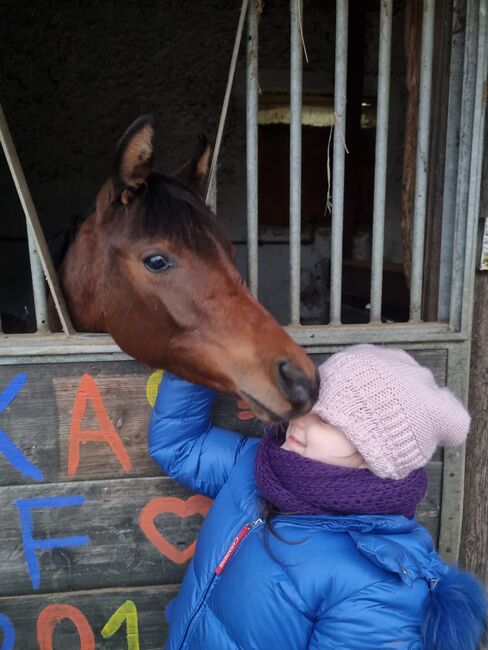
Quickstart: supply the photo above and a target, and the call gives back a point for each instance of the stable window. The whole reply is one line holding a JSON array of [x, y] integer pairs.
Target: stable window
[[318, 190]]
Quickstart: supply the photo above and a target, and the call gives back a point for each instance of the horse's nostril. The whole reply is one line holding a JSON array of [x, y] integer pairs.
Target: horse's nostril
[[299, 390]]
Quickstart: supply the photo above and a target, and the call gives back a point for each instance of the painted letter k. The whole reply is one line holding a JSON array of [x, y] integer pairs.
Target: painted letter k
[[7, 447]]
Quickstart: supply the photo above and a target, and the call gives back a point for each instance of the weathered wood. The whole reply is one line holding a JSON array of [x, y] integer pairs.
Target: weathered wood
[[474, 539], [413, 31], [428, 511], [437, 158], [118, 553], [355, 169], [38, 420], [97, 606]]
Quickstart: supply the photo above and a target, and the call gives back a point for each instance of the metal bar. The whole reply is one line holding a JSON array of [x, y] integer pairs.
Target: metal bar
[[295, 158], [380, 333], [225, 103], [420, 204], [252, 91], [21, 345], [65, 353], [338, 163], [466, 141], [38, 284], [451, 160], [382, 114], [38, 250], [211, 198]]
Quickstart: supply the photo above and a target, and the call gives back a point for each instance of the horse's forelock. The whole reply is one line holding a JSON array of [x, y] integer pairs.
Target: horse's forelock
[[172, 210]]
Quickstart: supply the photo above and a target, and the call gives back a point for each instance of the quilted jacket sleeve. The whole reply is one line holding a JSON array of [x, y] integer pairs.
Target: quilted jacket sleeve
[[183, 441]]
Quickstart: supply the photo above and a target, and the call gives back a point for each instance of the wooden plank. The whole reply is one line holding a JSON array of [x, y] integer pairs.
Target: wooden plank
[[428, 512], [119, 562], [96, 607], [412, 44], [474, 538], [118, 553], [39, 418], [437, 158]]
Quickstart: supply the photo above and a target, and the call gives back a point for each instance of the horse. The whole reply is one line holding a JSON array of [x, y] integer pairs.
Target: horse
[[151, 266]]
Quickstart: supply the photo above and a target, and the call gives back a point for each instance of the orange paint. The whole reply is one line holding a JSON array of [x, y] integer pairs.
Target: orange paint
[[50, 617], [196, 504], [245, 413], [88, 390]]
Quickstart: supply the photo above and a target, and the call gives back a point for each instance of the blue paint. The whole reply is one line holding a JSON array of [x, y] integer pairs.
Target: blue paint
[[12, 453], [25, 507], [8, 633], [16, 458], [12, 390]]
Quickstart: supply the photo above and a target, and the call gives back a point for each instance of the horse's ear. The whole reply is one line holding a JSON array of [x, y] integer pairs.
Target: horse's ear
[[133, 161], [195, 171]]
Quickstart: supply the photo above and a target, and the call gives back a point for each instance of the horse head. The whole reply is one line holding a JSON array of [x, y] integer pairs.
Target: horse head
[[152, 267]]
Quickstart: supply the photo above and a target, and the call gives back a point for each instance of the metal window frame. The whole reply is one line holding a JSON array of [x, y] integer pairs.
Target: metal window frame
[[463, 171], [464, 153]]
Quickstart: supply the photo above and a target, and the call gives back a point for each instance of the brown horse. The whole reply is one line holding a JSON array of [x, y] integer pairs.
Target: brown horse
[[151, 266]]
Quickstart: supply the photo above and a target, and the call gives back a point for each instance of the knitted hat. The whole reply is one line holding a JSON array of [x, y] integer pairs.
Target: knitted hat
[[389, 407]]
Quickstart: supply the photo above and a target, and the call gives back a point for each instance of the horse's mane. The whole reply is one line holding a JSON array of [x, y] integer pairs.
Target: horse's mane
[[60, 241], [169, 208]]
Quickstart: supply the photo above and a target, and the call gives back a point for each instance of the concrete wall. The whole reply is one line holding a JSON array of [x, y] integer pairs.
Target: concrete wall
[[75, 74]]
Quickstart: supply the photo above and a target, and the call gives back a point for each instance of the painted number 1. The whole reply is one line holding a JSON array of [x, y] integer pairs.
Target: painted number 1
[[126, 612]]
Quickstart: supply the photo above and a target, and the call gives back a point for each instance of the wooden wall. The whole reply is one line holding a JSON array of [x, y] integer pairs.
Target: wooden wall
[[130, 529]]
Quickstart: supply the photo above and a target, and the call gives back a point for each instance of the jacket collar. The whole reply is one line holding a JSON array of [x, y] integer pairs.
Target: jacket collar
[[393, 543]]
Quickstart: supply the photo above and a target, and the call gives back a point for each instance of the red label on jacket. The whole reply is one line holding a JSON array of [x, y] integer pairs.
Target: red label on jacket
[[232, 548]]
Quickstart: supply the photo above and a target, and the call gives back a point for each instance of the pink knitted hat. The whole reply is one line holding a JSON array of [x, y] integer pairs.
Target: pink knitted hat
[[389, 407]]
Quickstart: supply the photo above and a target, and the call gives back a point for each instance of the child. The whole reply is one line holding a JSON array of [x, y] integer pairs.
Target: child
[[311, 541]]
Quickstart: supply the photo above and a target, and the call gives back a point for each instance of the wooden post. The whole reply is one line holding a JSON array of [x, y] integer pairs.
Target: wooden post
[[474, 536], [353, 206], [437, 156], [413, 33], [474, 532]]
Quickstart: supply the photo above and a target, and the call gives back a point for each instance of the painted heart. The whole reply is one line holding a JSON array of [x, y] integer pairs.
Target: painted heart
[[196, 504]]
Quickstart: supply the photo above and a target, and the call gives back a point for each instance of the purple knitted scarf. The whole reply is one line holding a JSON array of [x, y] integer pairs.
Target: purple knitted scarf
[[299, 485]]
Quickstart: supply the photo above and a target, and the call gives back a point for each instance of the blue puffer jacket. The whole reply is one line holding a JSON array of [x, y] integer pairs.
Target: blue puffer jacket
[[342, 583]]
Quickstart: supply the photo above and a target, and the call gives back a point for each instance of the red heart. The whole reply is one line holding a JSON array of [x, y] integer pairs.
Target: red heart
[[196, 504]]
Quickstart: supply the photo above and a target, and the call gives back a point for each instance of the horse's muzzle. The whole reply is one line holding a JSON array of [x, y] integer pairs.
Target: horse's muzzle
[[297, 388]]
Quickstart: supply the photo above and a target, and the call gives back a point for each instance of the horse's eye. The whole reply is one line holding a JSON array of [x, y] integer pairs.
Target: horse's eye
[[156, 263]]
